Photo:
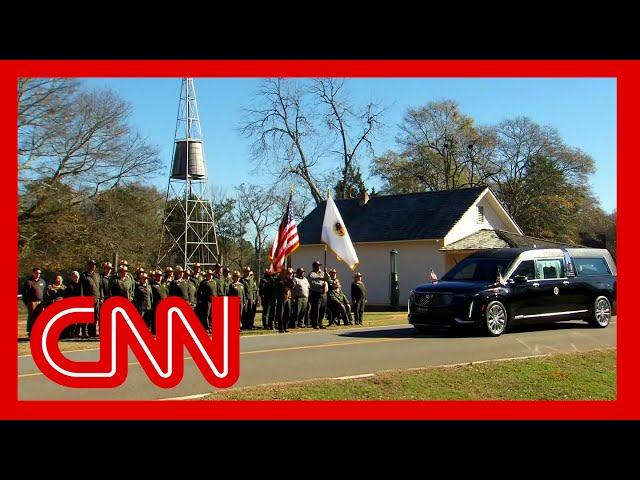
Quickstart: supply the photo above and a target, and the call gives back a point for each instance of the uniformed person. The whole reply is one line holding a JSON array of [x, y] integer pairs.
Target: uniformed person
[[142, 298], [236, 289], [282, 292], [338, 303], [251, 298], [265, 290], [106, 277], [226, 275], [206, 289], [158, 293], [121, 285], [179, 287], [358, 297], [220, 280], [131, 282], [192, 288], [167, 279], [318, 287], [197, 276]]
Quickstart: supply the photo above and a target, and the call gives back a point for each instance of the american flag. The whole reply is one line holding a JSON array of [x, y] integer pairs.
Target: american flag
[[286, 240], [433, 276]]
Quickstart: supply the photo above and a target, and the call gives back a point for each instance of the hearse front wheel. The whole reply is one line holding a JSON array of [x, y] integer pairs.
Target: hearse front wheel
[[495, 318], [601, 313]]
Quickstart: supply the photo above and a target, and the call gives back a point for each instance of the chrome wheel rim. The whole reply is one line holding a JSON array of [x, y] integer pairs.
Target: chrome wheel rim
[[602, 312], [496, 319]]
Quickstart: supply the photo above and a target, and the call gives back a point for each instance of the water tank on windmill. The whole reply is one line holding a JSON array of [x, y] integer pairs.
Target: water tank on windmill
[[188, 151]]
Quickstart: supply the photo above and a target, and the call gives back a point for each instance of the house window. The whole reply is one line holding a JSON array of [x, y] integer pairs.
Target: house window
[[480, 214]]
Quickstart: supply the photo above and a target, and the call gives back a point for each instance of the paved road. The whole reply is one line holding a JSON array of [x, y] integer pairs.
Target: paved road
[[328, 354]]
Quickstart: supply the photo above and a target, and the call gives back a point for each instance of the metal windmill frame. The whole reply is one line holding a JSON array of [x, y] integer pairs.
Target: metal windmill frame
[[188, 223]]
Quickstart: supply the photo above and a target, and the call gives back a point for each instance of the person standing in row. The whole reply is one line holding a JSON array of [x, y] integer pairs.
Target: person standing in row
[[300, 319], [282, 290], [207, 288], [249, 285], [32, 296], [142, 298], [318, 287], [121, 285], [265, 290], [75, 290], [179, 287], [106, 277], [221, 286], [358, 297], [158, 293], [236, 289], [90, 287], [55, 291]]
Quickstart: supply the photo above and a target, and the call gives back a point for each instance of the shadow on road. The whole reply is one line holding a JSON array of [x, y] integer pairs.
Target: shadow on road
[[444, 332]]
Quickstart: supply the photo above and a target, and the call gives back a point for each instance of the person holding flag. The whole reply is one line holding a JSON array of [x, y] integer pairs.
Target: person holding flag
[[335, 235], [286, 240]]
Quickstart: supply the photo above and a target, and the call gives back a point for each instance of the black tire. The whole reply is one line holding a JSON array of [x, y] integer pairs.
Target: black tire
[[601, 315], [495, 318], [422, 328]]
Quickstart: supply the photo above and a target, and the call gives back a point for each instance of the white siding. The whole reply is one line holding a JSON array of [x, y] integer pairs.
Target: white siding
[[468, 224], [415, 261]]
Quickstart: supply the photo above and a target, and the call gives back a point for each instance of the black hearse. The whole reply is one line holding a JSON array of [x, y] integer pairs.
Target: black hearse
[[495, 288]]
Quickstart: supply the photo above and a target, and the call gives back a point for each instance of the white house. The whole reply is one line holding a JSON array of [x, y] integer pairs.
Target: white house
[[429, 230]]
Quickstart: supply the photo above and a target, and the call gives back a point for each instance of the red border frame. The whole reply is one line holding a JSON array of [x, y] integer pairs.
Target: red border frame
[[625, 407]]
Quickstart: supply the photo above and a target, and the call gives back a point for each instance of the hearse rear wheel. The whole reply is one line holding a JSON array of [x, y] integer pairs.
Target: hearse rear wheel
[[495, 318], [601, 312]]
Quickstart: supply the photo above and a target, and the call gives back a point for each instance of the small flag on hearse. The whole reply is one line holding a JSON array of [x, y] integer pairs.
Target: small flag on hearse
[[499, 279], [433, 276]]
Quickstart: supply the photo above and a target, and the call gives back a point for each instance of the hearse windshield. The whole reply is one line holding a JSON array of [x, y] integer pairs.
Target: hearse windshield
[[478, 269]]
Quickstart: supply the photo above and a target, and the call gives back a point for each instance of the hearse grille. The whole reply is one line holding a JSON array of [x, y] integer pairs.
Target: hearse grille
[[433, 299]]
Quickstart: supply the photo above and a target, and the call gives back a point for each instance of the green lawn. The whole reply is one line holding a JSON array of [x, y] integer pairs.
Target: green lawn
[[571, 376]]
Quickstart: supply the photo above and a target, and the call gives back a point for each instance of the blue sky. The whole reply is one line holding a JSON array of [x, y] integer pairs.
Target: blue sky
[[583, 110]]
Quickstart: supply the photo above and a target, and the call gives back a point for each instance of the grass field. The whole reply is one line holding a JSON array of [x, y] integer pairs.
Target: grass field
[[569, 376]]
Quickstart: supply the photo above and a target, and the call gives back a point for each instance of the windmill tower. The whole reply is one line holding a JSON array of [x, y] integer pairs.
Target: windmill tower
[[188, 229]]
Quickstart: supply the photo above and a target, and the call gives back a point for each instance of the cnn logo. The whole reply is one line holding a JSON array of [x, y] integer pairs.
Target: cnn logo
[[121, 328]]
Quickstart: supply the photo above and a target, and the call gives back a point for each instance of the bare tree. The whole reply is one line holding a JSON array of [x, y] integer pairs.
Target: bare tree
[[70, 136], [300, 130], [354, 129], [259, 206]]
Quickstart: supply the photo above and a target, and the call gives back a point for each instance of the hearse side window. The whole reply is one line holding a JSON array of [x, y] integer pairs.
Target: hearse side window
[[525, 268], [478, 269], [591, 266], [550, 268]]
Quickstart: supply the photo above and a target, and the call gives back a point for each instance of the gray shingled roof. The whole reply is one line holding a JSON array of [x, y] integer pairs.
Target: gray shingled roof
[[500, 239], [412, 216]]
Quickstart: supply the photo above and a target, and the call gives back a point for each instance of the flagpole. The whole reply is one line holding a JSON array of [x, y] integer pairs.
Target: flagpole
[[325, 257], [287, 260], [325, 245]]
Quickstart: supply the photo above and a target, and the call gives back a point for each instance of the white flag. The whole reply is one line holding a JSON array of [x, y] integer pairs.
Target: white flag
[[335, 235]]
